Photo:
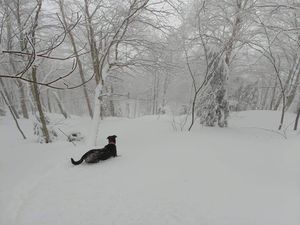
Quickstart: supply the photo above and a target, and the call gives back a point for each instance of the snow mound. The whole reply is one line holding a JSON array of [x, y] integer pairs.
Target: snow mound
[[246, 174]]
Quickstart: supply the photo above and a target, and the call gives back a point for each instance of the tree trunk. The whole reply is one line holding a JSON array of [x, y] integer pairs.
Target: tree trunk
[[111, 102], [273, 96], [101, 107], [60, 105], [155, 93], [286, 86], [49, 101], [80, 67], [297, 119], [292, 93], [2, 111], [12, 63], [92, 141], [38, 103], [23, 99], [92, 42], [193, 110], [222, 98], [13, 115], [9, 99], [165, 87], [135, 108], [128, 109], [265, 98]]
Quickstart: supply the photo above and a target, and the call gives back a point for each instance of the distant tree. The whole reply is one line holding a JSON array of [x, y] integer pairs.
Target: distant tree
[[76, 54]]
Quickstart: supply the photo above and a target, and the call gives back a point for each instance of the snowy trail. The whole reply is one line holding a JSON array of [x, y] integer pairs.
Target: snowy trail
[[211, 176]]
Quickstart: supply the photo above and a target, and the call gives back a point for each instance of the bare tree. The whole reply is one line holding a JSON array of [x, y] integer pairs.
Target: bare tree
[[76, 53], [101, 51], [25, 53]]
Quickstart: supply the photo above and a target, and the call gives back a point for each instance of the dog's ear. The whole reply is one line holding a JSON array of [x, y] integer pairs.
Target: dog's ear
[[112, 137]]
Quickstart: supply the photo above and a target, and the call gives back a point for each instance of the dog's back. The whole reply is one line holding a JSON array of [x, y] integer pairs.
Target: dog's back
[[96, 155]]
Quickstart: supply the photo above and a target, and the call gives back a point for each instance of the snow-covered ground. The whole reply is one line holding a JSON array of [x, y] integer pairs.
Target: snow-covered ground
[[247, 174]]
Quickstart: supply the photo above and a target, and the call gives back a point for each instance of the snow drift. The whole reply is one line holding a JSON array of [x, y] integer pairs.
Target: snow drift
[[246, 174]]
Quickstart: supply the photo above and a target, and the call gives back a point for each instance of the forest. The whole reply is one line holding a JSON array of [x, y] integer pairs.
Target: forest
[[131, 58], [199, 101]]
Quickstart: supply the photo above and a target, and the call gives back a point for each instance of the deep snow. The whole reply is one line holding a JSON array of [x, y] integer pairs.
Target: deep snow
[[246, 174]]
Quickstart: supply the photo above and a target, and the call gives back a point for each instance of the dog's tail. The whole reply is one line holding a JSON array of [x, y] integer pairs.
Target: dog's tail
[[77, 162]]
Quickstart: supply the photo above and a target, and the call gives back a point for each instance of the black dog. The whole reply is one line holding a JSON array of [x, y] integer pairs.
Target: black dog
[[95, 155]]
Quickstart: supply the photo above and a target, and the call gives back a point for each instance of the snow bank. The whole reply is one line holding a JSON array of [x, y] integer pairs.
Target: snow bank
[[246, 174]]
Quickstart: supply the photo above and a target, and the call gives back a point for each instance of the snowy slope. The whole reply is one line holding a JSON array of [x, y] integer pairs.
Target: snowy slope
[[242, 175]]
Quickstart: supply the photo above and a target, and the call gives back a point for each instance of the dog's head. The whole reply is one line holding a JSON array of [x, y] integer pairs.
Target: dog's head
[[112, 139]]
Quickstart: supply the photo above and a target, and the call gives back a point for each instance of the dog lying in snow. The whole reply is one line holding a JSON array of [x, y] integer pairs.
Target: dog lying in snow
[[96, 155]]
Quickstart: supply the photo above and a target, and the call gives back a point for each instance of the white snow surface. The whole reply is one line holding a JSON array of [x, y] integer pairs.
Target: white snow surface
[[246, 174]]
